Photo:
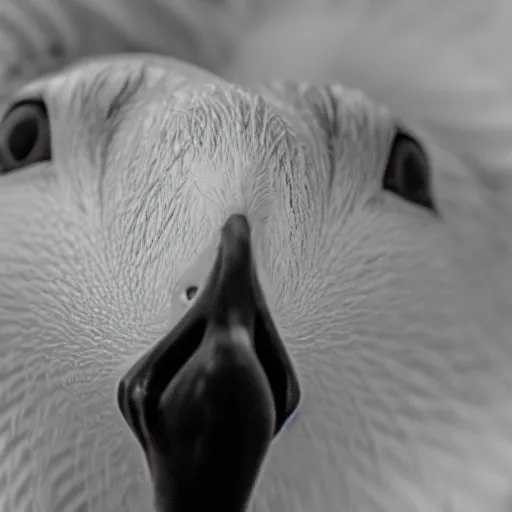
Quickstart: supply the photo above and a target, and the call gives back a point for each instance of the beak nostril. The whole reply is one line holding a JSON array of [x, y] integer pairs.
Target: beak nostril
[[190, 293]]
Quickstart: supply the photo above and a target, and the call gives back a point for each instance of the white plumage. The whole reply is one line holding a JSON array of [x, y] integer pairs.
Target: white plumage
[[399, 324]]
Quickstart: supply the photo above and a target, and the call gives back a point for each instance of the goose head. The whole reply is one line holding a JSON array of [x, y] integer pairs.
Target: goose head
[[229, 297]]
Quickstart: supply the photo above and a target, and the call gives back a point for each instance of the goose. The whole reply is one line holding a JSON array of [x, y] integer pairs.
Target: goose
[[142, 188], [247, 298]]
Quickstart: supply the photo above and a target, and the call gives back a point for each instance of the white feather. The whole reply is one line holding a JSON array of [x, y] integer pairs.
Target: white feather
[[400, 326]]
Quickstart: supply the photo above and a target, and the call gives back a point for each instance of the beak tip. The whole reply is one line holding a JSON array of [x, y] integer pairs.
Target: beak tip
[[236, 226]]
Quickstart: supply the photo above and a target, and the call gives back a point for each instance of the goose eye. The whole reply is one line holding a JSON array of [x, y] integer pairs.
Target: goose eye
[[408, 172], [24, 136]]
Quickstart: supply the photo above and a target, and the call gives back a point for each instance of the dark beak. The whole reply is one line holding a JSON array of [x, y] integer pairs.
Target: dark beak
[[206, 401]]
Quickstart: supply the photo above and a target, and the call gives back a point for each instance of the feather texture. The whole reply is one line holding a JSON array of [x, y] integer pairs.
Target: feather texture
[[399, 324]]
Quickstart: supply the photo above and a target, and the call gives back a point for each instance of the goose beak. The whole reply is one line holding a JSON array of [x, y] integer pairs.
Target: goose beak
[[206, 401]]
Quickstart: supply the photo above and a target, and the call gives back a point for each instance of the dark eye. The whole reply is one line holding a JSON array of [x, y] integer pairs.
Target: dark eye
[[24, 136], [408, 172]]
